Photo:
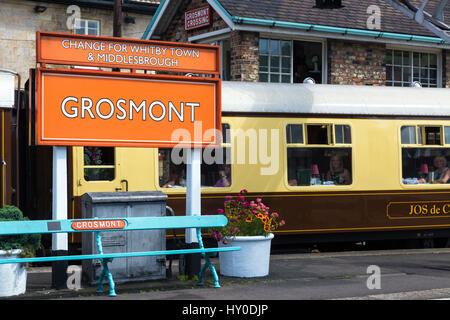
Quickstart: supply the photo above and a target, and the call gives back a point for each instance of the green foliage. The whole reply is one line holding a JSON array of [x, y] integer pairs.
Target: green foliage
[[29, 243]]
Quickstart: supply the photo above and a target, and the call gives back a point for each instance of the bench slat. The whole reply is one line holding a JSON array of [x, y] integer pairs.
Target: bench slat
[[132, 223], [117, 255]]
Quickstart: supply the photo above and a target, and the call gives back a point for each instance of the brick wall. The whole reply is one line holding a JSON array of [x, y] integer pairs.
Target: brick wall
[[244, 56], [356, 63]]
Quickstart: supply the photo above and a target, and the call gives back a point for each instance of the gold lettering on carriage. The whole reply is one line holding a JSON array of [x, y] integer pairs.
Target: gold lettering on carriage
[[429, 209], [418, 209]]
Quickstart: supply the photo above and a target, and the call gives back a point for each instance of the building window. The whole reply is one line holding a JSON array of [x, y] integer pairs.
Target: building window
[[289, 61], [307, 61], [319, 154], [425, 152], [99, 163], [89, 27], [404, 67], [275, 60], [225, 50], [215, 167]]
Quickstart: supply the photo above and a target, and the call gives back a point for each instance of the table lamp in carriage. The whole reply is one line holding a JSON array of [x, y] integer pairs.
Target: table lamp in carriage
[[315, 175]]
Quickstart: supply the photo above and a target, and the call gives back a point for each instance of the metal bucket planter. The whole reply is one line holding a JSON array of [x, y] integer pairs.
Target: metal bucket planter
[[13, 276], [251, 261]]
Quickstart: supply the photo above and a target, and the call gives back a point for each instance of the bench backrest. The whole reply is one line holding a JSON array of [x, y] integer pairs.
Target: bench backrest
[[111, 224]]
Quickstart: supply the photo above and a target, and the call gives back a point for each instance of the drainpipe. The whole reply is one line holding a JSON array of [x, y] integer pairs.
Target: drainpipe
[[117, 29]]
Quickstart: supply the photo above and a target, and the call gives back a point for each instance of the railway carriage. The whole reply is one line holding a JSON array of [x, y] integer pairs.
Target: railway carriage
[[279, 142]]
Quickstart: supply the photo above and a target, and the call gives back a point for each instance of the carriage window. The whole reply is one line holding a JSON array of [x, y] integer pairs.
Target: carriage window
[[342, 134], [447, 135], [422, 165], [431, 135], [294, 133], [99, 163], [425, 165], [225, 133], [327, 165], [215, 167], [318, 134], [408, 134]]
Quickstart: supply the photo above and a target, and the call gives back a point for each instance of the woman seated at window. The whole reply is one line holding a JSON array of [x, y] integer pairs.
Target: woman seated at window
[[224, 177], [441, 174], [337, 172]]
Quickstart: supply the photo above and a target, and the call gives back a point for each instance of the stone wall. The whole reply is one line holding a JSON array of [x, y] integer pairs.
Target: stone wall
[[356, 63], [19, 23]]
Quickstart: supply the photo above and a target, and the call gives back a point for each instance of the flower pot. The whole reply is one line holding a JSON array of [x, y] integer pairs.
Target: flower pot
[[251, 261], [13, 276]]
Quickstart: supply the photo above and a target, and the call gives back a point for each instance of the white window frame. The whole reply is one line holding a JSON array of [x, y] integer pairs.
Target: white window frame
[[214, 38], [293, 38], [412, 50], [83, 23], [291, 56]]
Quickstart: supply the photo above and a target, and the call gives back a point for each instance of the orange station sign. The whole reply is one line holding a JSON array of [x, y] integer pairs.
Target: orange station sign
[[126, 109], [85, 50], [99, 224]]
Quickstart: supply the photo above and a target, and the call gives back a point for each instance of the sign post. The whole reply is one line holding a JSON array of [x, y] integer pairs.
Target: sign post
[[126, 109], [59, 212], [193, 206]]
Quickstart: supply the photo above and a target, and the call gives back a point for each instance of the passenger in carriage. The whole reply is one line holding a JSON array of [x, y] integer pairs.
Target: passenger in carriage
[[225, 177], [337, 172], [175, 180], [441, 174]]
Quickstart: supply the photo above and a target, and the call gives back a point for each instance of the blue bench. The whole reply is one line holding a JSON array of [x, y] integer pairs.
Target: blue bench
[[119, 224]]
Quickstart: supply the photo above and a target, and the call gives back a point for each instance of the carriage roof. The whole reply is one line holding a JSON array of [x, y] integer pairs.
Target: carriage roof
[[257, 97]]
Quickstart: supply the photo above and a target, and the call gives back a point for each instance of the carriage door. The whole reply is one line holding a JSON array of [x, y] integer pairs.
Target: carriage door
[[97, 169]]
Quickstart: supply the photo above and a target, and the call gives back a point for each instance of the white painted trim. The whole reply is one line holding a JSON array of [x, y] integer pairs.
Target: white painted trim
[[436, 51], [224, 16], [324, 61], [210, 36], [155, 24]]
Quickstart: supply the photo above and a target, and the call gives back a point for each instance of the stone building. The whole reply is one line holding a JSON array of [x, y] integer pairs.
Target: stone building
[[20, 19], [335, 42]]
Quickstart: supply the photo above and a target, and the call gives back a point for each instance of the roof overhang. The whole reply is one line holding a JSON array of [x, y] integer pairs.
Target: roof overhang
[[167, 9]]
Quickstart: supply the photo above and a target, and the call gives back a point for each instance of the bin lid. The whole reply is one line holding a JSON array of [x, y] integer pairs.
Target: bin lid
[[126, 196]]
